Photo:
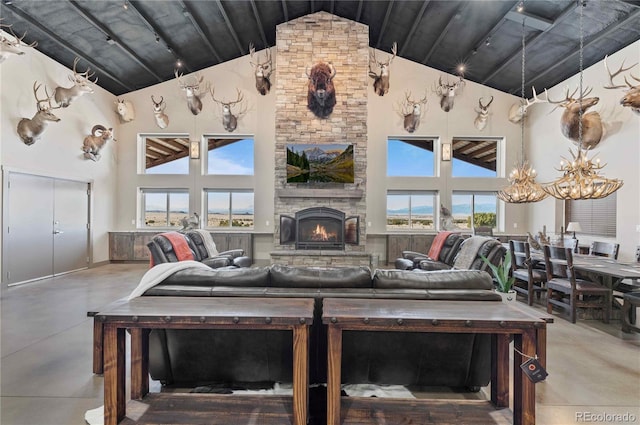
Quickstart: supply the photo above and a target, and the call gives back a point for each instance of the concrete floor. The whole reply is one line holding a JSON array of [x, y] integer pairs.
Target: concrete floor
[[46, 342]]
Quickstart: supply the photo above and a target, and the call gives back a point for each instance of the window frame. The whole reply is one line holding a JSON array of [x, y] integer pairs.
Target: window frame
[[143, 191], [205, 153], [473, 194], [410, 193], [205, 204], [142, 153], [435, 145]]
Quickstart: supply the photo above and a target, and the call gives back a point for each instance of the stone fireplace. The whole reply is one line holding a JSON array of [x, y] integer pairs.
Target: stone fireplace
[[301, 43]]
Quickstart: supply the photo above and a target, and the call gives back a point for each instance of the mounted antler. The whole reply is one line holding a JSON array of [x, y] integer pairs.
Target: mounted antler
[[412, 111], [193, 91], [483, 114], [519, 110], [447, 92], [10, 47], [229, 120], [632, 98], [30, 130], [263, 71], [381, 81], [162, 119], [64, 96], [570, 121]]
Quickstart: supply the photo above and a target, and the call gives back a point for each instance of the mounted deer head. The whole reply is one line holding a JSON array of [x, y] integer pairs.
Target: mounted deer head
[[381, 81], [570, 121], [229, 120], [632, 98], [263, 70], [412, 111], [483, 114], [447, 92], [519, 110], [125, 110], [30, 130], [162, 120], [64, 96], [193, 91], [10, 47]]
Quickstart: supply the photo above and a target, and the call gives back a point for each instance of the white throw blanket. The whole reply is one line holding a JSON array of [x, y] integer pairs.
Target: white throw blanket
[[160, 272], [209, 244], [469, 252]]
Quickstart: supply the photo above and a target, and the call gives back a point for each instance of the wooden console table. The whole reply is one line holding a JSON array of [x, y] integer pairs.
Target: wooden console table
[[142, 314], [496, 318]]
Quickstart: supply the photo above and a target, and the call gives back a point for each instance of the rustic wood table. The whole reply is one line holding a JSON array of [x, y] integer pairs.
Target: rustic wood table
[[142, 314], [496, 318]]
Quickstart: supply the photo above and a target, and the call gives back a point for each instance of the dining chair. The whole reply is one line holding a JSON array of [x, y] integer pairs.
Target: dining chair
[[528, 279], [566, 291], [604, 249]]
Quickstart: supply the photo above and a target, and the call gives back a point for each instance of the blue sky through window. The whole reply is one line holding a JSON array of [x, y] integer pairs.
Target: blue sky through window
[[232, 159]]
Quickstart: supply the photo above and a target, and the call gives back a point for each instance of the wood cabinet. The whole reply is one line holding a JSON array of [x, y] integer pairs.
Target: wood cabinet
[[234, 240], [399, 242]]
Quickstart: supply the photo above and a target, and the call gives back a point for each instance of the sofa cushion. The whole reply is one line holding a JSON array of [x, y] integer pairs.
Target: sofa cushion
[[438, 279], [246, 276], [320, 277]]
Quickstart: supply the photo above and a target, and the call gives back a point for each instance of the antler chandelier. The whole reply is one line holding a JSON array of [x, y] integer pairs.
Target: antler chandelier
[[522, 179], [580, 178]]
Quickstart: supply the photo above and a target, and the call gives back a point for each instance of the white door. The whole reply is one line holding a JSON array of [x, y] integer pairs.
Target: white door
[[70, 226]]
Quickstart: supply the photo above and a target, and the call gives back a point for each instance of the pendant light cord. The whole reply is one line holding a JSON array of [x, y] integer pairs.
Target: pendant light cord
[[582, 3], [522, 100]]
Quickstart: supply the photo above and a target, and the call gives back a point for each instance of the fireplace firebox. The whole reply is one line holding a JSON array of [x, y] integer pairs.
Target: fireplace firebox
[[319, 228]]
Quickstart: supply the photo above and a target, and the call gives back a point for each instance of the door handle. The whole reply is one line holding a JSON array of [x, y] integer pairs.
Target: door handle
[[56, 232]]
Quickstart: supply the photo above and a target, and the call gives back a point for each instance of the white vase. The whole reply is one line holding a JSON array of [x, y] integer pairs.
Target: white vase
[[508, 297]]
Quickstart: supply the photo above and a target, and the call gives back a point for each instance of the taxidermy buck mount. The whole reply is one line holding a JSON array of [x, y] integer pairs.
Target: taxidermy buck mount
[[125, 110], [519, 110], [632, 98], [30, 130], [64, 96], [229, 120], [262, 70], [94, 143], [162, 119], [483, 114], [381, 81], [592, 128], [447, 92], [10, 47], [321, 96], [193, 91], [412, 111]]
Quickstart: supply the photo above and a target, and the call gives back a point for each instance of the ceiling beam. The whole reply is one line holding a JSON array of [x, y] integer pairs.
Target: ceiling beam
[[530, 20], [359, 12], [414, 27], [384, 23], [233, 32], [188, 12], [481, 41], [93, 21], [529, 43], [256, 15], [443, 33], [312, 6], [285, 10], [66, 45], [596, 38], [332, 7]]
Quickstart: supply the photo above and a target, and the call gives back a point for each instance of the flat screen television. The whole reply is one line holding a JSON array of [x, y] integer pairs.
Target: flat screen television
[[314, 163]]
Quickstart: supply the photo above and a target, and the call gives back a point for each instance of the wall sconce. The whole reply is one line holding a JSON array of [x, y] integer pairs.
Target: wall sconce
[[446, 152], [194, 149]]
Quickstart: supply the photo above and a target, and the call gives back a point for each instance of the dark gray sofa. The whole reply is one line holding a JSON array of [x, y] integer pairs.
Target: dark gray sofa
[[242, 357]]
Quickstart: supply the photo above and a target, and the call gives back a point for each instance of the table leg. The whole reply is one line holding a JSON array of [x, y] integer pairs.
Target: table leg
[[139, 363], [300, 374], [114, 374], [98, 338], [334, 360], [500, 370], [524, 392], [541, 345]]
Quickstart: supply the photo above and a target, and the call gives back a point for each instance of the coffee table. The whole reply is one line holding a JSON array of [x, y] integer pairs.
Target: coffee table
[[142, 314], [496, 318]]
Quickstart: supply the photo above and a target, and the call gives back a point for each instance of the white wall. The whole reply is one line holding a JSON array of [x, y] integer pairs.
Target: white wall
[[58, 153], [620, 150]]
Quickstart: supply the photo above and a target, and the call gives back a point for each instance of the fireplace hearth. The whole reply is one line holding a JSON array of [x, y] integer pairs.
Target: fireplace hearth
[[319, 228]]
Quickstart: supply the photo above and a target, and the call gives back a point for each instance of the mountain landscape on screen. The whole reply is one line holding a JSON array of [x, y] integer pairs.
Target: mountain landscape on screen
[[313, 163]]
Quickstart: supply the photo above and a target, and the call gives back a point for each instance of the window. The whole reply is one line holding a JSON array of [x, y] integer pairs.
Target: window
[[474, 158], [230, 156], [229, 209], [166, 155], [410, 210], [483, 207], [420, 152], [164, 208], [596, 216]]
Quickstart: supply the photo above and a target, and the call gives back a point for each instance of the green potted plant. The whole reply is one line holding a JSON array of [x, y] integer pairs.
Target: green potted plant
[[504, 282]]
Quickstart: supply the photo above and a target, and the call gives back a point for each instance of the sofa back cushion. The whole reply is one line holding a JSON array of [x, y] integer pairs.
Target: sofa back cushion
[[450, 248], [438, 279], [241, 276], [283, 276]]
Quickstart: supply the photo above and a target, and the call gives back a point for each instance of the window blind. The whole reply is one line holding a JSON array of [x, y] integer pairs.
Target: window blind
[[596, 216]]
